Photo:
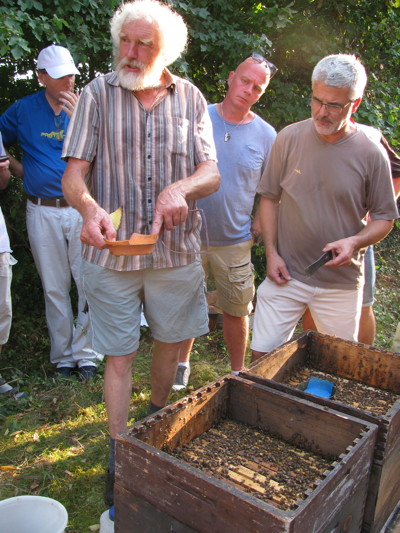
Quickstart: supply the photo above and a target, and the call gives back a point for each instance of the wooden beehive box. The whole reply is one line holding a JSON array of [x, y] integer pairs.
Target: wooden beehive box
[[155, 492], [363, 364]]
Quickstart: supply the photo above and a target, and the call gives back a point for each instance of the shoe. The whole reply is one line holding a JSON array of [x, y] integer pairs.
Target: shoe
[[65, 372], [87, 372], [109, 492], [181, 378], [11, 392], [152, 408]]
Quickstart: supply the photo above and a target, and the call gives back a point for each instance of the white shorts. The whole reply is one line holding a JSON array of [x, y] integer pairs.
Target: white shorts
[[279, 308]]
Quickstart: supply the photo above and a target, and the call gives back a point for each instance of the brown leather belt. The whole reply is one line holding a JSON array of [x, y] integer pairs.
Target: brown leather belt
[[49, 202]]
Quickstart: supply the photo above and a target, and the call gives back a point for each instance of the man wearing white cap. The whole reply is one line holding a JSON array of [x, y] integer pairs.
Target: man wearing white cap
[[38, 123]]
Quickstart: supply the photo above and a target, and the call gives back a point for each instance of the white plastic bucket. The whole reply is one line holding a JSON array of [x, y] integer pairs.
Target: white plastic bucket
[[32, 514], [106, 524]]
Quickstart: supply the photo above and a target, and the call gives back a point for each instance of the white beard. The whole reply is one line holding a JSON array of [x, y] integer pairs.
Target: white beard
[[148, 78]]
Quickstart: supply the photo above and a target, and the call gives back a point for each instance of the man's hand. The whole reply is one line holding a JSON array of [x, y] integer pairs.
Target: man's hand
[[4, 174], [344, 249], [343, 252], [277, 270], [171, 208], [97, 224], [68, 100], [97, 227]]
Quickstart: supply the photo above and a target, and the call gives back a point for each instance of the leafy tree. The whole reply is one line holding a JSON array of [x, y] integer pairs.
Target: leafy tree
[[295, 35]]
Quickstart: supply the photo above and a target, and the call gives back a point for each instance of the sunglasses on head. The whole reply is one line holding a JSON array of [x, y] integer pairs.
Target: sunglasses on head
[[260, 59]]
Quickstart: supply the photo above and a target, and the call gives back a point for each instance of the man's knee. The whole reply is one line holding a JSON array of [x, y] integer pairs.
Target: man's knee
[[120, 364]]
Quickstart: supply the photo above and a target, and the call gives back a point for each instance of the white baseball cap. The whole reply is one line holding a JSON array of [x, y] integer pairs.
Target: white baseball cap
[[57, 61]]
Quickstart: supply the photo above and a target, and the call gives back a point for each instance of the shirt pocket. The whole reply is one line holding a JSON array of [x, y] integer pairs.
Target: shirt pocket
[[251, 157], [177, 135]]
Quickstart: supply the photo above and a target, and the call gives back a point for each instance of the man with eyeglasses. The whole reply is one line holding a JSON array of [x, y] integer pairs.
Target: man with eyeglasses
[[367, 326], [38, 124], [323, 176], [243, 141]]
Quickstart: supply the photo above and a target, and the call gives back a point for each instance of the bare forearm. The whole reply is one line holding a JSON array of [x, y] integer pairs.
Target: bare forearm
[[372, 233], [396, 186], [16, 167], [268, 219], [277, 270], [172, 208], [344, 249], [96, 224], [4, 175], [75, 189], [202, 183]]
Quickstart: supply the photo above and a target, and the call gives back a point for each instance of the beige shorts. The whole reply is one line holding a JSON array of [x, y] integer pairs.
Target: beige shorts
[[173, 300], [232, 270]]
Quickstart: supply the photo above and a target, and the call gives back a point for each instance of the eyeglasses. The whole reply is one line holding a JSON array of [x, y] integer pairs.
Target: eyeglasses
[[335, 109], [260, 59]]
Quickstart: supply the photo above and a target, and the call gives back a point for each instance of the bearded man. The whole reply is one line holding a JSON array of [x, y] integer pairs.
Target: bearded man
[[141, 139]]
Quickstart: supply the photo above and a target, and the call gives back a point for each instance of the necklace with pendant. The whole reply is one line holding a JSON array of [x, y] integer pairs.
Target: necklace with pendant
[[228, 134]]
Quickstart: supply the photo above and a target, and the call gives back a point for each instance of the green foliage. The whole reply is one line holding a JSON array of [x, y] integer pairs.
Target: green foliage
[[27, 26], [224, 33]]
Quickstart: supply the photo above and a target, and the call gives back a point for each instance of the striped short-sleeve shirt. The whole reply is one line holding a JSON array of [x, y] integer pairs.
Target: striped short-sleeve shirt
[[134, 155]]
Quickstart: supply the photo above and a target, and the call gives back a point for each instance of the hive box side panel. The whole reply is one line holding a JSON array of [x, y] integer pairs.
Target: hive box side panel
[[188, 495], [293, 419], [382, 502], [392, 437], [280, 362], [340, 501], [178, 424], [329, 403], [377, 368], [133, 515]]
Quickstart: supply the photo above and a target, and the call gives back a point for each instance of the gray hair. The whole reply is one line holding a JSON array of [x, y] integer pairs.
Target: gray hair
[[342, 70], [170, 25]]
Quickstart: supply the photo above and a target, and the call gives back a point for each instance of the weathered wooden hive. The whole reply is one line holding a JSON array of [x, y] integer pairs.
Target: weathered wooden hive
[[379, 372], [156, 492]]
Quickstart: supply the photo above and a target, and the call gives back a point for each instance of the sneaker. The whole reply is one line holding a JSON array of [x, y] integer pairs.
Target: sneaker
[[181, 378], [87, 372], [65, 372], [11, 392]]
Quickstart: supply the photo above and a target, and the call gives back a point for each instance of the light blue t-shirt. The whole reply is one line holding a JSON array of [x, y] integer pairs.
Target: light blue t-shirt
[[241, 161], [32, 123]]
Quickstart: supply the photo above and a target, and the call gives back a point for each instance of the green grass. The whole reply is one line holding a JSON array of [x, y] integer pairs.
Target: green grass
[[55, 442]]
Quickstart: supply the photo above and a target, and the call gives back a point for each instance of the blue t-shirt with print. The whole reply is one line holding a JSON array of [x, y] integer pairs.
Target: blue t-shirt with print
[[32, 123]]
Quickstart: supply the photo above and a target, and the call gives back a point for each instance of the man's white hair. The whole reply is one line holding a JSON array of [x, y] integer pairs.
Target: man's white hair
[[342, 70], [170, 25]]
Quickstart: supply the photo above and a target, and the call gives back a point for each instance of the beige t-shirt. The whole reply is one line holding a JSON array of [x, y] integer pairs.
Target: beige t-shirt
[[325, 190]]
